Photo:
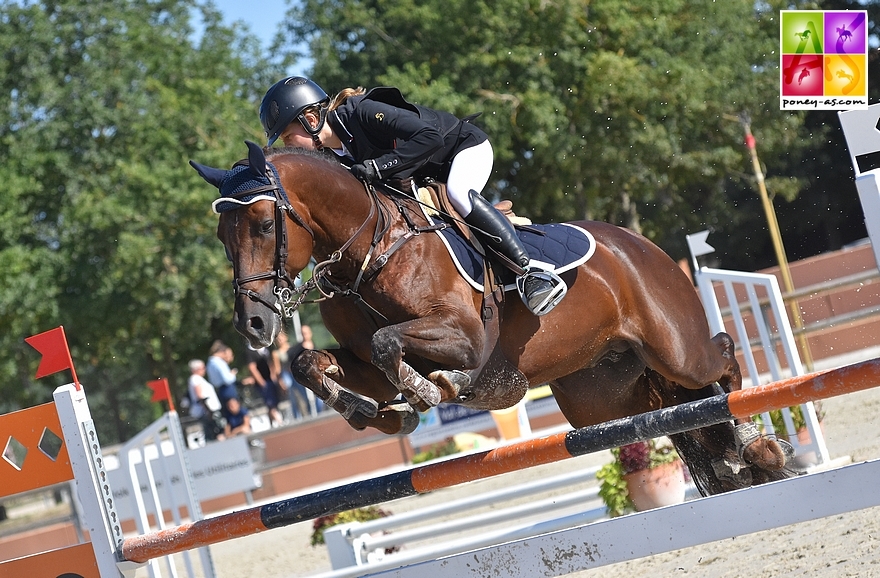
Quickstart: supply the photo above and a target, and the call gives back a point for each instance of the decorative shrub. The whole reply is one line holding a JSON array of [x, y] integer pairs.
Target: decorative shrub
[[359, 515], [440, 450]]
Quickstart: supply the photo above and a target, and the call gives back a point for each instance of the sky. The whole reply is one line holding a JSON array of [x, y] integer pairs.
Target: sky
[[263, 21]]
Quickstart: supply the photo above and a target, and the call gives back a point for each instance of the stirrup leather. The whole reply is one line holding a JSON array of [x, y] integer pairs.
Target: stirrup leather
[[552, 298]]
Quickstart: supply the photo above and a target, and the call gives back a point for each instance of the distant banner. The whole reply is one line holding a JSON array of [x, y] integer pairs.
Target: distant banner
[[823, 59]]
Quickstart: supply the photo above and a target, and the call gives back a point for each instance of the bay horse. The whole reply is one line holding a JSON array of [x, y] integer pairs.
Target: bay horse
[[630, 336]]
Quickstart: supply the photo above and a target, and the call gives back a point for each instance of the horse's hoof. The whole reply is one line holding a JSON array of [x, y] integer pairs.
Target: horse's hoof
[[765, 453], [410, 420], [450, 380], [731, 473]]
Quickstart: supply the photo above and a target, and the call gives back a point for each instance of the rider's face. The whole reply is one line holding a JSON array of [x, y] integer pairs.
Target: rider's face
[[296, 136]]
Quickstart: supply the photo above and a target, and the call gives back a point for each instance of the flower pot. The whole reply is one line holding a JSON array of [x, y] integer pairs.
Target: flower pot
[[656, 487]]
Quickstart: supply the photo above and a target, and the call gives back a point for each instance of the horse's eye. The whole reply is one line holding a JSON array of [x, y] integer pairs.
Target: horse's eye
[[267, 226]]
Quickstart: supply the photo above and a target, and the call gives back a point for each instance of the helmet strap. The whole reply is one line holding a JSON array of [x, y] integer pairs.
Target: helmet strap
[[314, 132]]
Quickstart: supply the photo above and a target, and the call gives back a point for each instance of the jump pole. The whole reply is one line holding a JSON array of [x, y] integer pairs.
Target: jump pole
[[677, 419]]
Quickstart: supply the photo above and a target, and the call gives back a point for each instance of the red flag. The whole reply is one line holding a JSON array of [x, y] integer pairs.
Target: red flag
[[161, 391], [52, 345]]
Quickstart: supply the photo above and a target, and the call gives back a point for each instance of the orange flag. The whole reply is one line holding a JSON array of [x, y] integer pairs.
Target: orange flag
[[161, 391], [52, 345]]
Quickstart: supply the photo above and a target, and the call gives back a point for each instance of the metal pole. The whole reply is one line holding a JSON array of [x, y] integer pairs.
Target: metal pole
[[676, 419], [776, 236]]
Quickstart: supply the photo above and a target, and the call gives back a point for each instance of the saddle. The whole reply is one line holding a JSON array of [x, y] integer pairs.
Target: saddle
[[495, 383]]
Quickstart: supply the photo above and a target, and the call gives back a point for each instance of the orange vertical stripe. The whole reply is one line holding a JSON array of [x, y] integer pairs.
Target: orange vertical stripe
[[37, 469], [76, 560]]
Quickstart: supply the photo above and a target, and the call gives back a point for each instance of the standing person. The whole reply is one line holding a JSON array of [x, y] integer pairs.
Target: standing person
[[261, 368], [295, 351], [299, 400], [386, 137], [219, 374], [205, 404]]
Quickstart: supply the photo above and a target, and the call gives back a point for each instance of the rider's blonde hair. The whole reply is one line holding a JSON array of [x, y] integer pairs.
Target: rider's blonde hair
[[344, 95], [336, 102]]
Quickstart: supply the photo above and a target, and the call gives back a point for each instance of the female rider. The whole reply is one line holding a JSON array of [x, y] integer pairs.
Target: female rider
[[384, 136]]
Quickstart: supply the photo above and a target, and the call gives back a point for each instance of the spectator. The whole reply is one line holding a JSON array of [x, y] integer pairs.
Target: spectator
[[299, 400], [262, 370], [296, 350], [219, 374], [205, 405], [238, 422]]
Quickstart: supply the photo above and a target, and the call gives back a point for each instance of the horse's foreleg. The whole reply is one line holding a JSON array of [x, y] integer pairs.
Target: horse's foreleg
[[753, 447], [434, 339], [325, 373]]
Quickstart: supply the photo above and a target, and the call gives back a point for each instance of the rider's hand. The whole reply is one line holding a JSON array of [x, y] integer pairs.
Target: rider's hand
[[366, 171]]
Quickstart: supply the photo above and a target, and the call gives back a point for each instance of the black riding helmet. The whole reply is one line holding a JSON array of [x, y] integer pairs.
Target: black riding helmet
[[285, 101]]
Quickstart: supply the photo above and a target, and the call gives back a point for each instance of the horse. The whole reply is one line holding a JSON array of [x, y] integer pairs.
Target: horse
[[629, 337]]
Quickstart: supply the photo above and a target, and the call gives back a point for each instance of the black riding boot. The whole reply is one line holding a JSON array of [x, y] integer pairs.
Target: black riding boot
[[498, 233]]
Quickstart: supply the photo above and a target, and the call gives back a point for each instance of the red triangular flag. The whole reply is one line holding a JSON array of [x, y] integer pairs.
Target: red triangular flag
[[161, 391], [52, 345]]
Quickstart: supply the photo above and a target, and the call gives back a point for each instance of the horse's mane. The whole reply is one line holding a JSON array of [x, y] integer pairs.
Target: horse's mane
[[329, 158]]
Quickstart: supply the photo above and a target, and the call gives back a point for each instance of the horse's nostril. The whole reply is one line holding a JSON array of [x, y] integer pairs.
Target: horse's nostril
[[257, 323]]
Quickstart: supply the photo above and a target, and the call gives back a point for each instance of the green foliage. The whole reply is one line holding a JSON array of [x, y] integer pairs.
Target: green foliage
[[615, 111], [359, 515], [628, 459], [613, 489], [106, 229], [797, 419], [610, 110], [440, 450]]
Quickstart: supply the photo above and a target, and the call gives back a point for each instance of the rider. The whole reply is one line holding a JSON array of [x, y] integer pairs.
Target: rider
[[384, 136]]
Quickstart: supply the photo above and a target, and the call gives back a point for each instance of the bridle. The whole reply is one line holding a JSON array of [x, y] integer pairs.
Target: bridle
[[284, 287], [288, 296]]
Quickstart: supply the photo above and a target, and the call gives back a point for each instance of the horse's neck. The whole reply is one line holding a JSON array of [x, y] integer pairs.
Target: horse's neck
[[340, 213]]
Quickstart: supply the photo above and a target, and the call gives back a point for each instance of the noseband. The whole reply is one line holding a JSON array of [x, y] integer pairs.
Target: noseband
[[289, 296], [284, 286]]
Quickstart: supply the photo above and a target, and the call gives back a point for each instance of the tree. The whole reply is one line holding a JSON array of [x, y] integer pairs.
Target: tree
[[607, 110], [106, 230]]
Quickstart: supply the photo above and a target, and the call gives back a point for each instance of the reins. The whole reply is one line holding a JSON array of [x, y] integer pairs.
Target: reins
[[289, 296]]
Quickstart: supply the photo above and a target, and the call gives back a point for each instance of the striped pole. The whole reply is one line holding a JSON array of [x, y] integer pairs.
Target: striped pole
[[677, 419]]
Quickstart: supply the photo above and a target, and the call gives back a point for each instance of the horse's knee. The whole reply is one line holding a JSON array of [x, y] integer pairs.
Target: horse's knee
[[310, 364], [386, 350]]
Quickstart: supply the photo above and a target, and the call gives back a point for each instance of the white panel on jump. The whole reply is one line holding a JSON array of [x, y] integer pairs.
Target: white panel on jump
[[862, 138], [860, 131], [638, 535]]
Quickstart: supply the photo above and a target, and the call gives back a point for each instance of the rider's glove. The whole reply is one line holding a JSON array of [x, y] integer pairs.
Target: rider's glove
[[366, 171]]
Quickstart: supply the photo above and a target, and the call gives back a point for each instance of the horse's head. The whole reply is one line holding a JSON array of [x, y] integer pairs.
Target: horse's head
[[265, 253]]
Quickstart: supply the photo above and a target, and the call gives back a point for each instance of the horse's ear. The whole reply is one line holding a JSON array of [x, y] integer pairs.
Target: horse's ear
[[212, 175], [256, 159]]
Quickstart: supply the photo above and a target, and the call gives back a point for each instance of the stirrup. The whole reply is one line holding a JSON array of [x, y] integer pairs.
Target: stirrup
[[553, 297]]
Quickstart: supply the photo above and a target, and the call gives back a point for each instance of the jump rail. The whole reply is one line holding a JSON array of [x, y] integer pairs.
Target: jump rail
[[788, 392]]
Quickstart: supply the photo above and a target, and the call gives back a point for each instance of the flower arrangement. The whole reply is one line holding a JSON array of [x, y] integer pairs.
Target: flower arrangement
[[359, 515], [629, 459], [446, 448]]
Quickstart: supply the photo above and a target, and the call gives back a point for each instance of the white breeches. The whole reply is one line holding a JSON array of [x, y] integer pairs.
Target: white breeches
[[470, 169]]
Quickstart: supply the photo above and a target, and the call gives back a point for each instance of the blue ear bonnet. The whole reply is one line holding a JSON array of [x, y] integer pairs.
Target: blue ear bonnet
[[240, 179]]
